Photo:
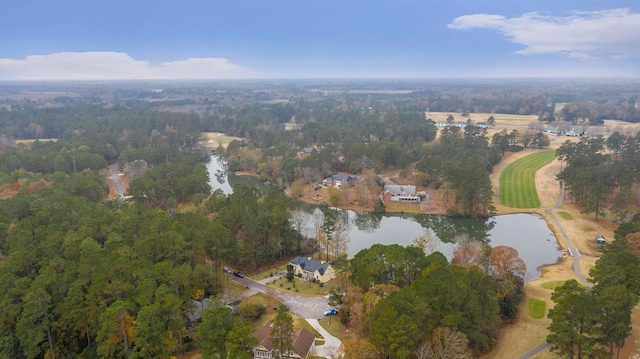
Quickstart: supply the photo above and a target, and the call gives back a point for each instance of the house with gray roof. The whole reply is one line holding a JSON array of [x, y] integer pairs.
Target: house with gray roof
[[309, 268], [340, 180], [401, 193]]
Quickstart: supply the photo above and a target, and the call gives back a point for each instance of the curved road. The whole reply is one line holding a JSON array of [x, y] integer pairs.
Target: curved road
[[115, 176], [572, 249], [576, 264]]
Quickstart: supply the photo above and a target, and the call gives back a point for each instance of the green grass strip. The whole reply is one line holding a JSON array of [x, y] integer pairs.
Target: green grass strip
[[517, 181], [537, 308], [564, 215], [552, 284]]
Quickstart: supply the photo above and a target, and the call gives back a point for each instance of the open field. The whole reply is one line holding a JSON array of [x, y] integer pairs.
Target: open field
[[29, 142], [215, 139], [503, 121], [517, 181]]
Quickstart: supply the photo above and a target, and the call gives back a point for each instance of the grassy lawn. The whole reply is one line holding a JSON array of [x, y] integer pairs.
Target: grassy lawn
[[302, 287], [517, 181], [537, 308], [334, 327], [553, 284], [565, 215], [234, 287], [269, 273]]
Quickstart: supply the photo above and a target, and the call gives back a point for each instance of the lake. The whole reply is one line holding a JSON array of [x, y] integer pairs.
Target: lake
[[529, 234]]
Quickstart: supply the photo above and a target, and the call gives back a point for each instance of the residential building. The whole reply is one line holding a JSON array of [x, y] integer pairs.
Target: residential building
[[340, 180], [303, 343], [401, 193], [309, 268]]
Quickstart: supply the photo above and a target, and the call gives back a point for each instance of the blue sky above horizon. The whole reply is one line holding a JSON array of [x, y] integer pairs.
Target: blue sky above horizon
[[195, 39]]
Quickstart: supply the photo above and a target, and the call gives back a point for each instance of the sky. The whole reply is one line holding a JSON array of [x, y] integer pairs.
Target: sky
[[307, 39]]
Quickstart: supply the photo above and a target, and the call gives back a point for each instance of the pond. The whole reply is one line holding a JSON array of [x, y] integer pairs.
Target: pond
[[529, 234]]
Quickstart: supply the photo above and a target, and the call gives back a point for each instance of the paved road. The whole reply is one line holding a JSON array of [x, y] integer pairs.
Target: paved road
[[535, 351], [576, 264], [310, 308], [572, 249], [302, 306], [115, 176]]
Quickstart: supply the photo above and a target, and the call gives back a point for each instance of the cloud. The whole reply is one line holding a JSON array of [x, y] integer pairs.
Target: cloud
[[104, 65], [584, 35]]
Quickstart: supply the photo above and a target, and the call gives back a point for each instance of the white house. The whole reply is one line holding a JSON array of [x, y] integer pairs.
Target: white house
[[398, 193]]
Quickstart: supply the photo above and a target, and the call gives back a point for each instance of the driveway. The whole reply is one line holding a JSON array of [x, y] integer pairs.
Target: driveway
[[331, 346]]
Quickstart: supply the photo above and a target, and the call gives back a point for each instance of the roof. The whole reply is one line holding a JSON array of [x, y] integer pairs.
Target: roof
[[263, 333], [400, 190], [310, 265], [302, 340], [196, 309], [342, 177]]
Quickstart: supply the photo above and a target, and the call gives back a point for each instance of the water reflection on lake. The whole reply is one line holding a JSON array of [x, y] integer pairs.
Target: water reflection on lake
[[218, 178], [527, 233]]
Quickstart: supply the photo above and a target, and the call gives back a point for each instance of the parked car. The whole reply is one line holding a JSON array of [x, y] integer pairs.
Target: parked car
[[330, 312], [226, 270], [238, 274]]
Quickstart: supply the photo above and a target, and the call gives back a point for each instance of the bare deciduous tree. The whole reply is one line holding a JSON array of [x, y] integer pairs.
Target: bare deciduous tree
[[445, 343]]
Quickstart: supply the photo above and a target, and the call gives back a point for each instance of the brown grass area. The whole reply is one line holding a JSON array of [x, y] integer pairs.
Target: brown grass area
[[528, 333], [503, 121]]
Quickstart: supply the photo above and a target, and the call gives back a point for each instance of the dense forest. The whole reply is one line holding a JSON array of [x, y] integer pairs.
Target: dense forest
[[85, 275]]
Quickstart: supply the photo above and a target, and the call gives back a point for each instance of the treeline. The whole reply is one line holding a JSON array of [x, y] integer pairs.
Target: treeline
[[399, 302], [462, 161], [594, 322], [595, 113], [85, 278], [599, 173]]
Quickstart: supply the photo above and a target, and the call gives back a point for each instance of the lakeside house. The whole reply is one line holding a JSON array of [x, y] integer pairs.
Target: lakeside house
[[308, 268], [340, 180], [303, 344], [402, 193]]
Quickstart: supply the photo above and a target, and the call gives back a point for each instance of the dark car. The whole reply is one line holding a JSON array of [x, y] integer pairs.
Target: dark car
[[238, 274]]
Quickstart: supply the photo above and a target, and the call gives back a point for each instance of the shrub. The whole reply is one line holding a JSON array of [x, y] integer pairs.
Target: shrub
[[251, 311]]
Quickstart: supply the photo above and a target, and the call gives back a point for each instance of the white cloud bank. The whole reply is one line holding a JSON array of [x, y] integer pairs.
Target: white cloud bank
[[583, 35], [115, 66]]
